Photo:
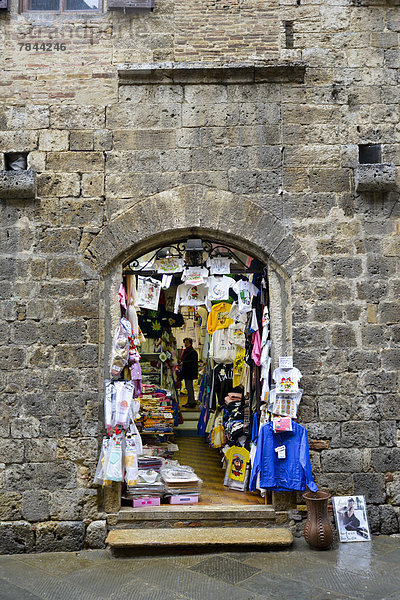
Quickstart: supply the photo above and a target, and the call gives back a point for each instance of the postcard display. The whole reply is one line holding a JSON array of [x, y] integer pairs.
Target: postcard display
[[249, 420]]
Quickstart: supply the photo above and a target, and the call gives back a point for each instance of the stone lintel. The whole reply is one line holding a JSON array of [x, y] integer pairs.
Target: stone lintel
[[197, 73], [16, 185]]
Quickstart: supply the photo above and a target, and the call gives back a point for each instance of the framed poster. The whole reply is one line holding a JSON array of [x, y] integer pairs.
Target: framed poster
[[351, 518]]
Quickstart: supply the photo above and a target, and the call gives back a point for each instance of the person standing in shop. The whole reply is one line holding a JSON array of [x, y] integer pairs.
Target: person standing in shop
[[189, 370]]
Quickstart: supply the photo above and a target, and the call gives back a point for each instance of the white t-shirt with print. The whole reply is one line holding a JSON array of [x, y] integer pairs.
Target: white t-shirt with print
[[245, 290], [195, 275], [284, 404], [148, 293], [191, 295], [219, 265], [236, 330], [287, 380], [170, 264], [218, 288]]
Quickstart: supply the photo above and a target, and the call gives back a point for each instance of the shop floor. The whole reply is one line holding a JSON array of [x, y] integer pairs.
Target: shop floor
[[206, 462]]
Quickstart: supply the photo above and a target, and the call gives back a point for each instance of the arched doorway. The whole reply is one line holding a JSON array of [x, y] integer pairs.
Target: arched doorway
[[249, 230]]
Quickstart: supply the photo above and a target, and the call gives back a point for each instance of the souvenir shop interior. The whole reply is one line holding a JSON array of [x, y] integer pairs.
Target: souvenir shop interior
[[194, 413]]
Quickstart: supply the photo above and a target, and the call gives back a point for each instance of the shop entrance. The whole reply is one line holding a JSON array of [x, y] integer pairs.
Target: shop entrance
[[200, 316]]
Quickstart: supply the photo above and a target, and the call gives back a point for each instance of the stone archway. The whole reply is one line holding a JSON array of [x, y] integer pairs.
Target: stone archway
[[209, 213], [195, 211], [189, 209]]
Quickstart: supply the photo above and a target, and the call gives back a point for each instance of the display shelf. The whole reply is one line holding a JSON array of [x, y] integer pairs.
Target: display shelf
[[151, 356]]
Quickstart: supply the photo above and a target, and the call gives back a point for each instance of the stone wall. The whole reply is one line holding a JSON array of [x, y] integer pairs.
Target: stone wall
[[270, 162]]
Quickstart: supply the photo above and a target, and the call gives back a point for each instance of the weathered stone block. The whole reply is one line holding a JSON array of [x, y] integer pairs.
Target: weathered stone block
[[176, 160], [35, 505], [379, 266], [16, 537], [393, 490], [360, 360], [74, 162], [103, 139], [128, 115], [83, 450], [58, 184], [388, 433], [362, 434], [309, 336], [380, 177], [73, 505], [25, 332], [385, 459], [333, 408], [370, 485], [23, 427], [346, 267], [342, 461], [374, 518], [76, 356], [52, 140], [125, 139], [63, 536], [378, 381], [70, 268], [81, 140], [18, 141], [37, 161], [11, 451], [76, 117], [31, 476], [389, 312], [21, 118], [389, 522], [375, 335], [92, 185], [10, 506], [60, 240], [17, 185], [96, 534], [41, 450]]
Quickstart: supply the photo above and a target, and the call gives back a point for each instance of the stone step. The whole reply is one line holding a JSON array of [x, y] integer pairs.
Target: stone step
[[195, 516], [190, 415], [199, 536], [186, 425]]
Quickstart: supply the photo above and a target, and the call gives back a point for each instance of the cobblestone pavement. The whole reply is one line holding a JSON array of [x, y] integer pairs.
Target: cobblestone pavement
[[364, 570]]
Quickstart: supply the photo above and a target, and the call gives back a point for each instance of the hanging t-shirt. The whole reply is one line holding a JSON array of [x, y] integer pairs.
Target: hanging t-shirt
[[238, 459], [245, 290], [218, 288], [219, 317], [236, 334], [256, 352], [287, 380], [219, 265], [191, 295], [238, 367], [169, 264], [195, 275], [222, 383], [221, 350], [285, 404], [148, 293]]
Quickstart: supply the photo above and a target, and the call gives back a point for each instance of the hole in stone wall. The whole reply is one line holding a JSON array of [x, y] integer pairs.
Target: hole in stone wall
[[369, 154], [289, 37], [16, 161]]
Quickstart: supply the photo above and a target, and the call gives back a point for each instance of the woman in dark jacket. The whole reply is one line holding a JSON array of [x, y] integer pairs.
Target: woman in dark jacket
[[189, 370]]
